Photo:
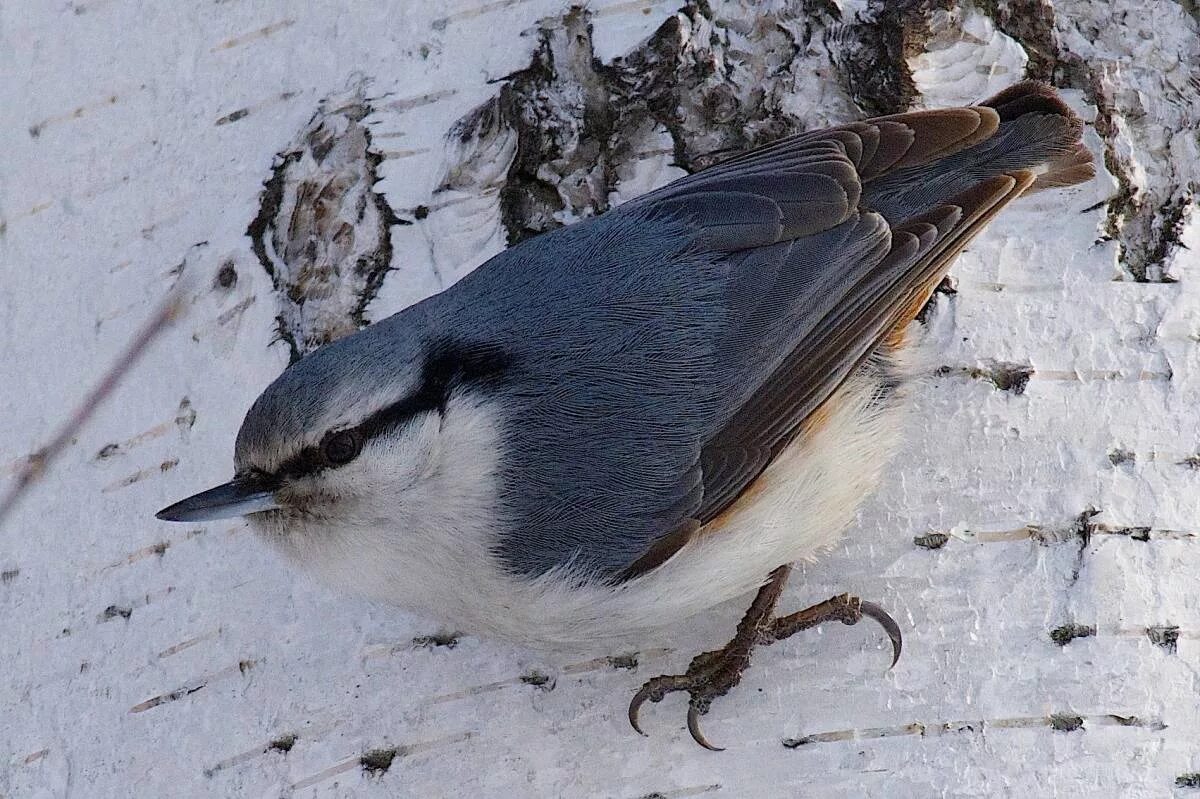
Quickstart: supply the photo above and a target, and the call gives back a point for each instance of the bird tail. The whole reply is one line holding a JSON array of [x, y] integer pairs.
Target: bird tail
[[1034, 131], [1028, 139], [1060, 154]]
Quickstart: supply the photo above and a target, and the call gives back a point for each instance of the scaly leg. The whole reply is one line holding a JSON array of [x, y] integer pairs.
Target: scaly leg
[[713, 674]]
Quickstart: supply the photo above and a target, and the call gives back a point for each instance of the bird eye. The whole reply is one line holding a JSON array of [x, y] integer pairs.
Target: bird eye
[[341, 447]]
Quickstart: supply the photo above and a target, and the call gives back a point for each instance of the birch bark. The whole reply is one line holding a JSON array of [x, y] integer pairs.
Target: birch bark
[[312, 169]]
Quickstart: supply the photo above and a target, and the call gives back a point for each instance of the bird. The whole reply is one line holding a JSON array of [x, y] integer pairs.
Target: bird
[[615, 426]]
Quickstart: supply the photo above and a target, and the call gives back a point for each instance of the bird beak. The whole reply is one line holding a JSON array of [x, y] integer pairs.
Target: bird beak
[[239, 497]]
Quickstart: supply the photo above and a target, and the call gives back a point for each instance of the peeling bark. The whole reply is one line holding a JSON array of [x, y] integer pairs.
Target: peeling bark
[[322, 232], [1150, 145], [710, 83], [564, 133]]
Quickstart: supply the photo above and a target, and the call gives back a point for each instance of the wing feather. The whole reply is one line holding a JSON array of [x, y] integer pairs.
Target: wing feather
[[871, 215]]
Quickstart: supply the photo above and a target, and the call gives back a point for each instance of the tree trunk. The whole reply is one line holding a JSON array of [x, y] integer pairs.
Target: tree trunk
[[298, 173]]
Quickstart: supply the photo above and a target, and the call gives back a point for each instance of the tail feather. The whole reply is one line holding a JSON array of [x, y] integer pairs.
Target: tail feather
[[1027, 97], [1074, 163], [1036, 130]]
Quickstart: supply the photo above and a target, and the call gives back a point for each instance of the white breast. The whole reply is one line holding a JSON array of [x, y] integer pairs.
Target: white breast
[[430, 553]]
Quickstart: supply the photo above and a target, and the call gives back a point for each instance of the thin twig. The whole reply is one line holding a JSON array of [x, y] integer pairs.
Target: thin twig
[[37, 463]]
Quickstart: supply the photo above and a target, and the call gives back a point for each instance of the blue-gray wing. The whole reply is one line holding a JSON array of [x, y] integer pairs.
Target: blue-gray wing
[[689, 333], [936, 179]]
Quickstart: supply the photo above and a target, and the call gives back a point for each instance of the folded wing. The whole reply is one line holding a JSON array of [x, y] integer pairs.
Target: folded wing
[[836, 238]]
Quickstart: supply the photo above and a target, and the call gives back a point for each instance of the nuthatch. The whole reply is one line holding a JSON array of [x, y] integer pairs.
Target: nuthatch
[[622, 423]]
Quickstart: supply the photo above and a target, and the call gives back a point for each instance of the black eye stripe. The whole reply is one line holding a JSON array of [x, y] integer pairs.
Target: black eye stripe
[[306, 461], [450, 365]]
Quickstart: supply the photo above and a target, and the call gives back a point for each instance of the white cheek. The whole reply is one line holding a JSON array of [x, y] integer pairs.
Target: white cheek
[[401, 457], [412, 520], [390, 465]]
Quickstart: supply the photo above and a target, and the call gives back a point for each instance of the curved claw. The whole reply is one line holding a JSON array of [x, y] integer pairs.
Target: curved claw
[[635, 707], [884, 619], [693, 724]]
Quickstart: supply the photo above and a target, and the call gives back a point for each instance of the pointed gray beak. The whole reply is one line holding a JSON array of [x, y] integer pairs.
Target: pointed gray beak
[[239, 497]]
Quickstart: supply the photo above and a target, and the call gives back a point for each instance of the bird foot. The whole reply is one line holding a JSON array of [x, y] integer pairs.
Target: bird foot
[[713, 674], [709, 675], [847, 609]]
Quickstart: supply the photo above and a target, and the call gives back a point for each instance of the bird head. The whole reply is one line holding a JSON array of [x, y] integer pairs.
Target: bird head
[[359, 433]]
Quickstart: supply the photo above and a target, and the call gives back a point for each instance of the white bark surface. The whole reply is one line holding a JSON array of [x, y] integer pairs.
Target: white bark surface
[[1051, 475]]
